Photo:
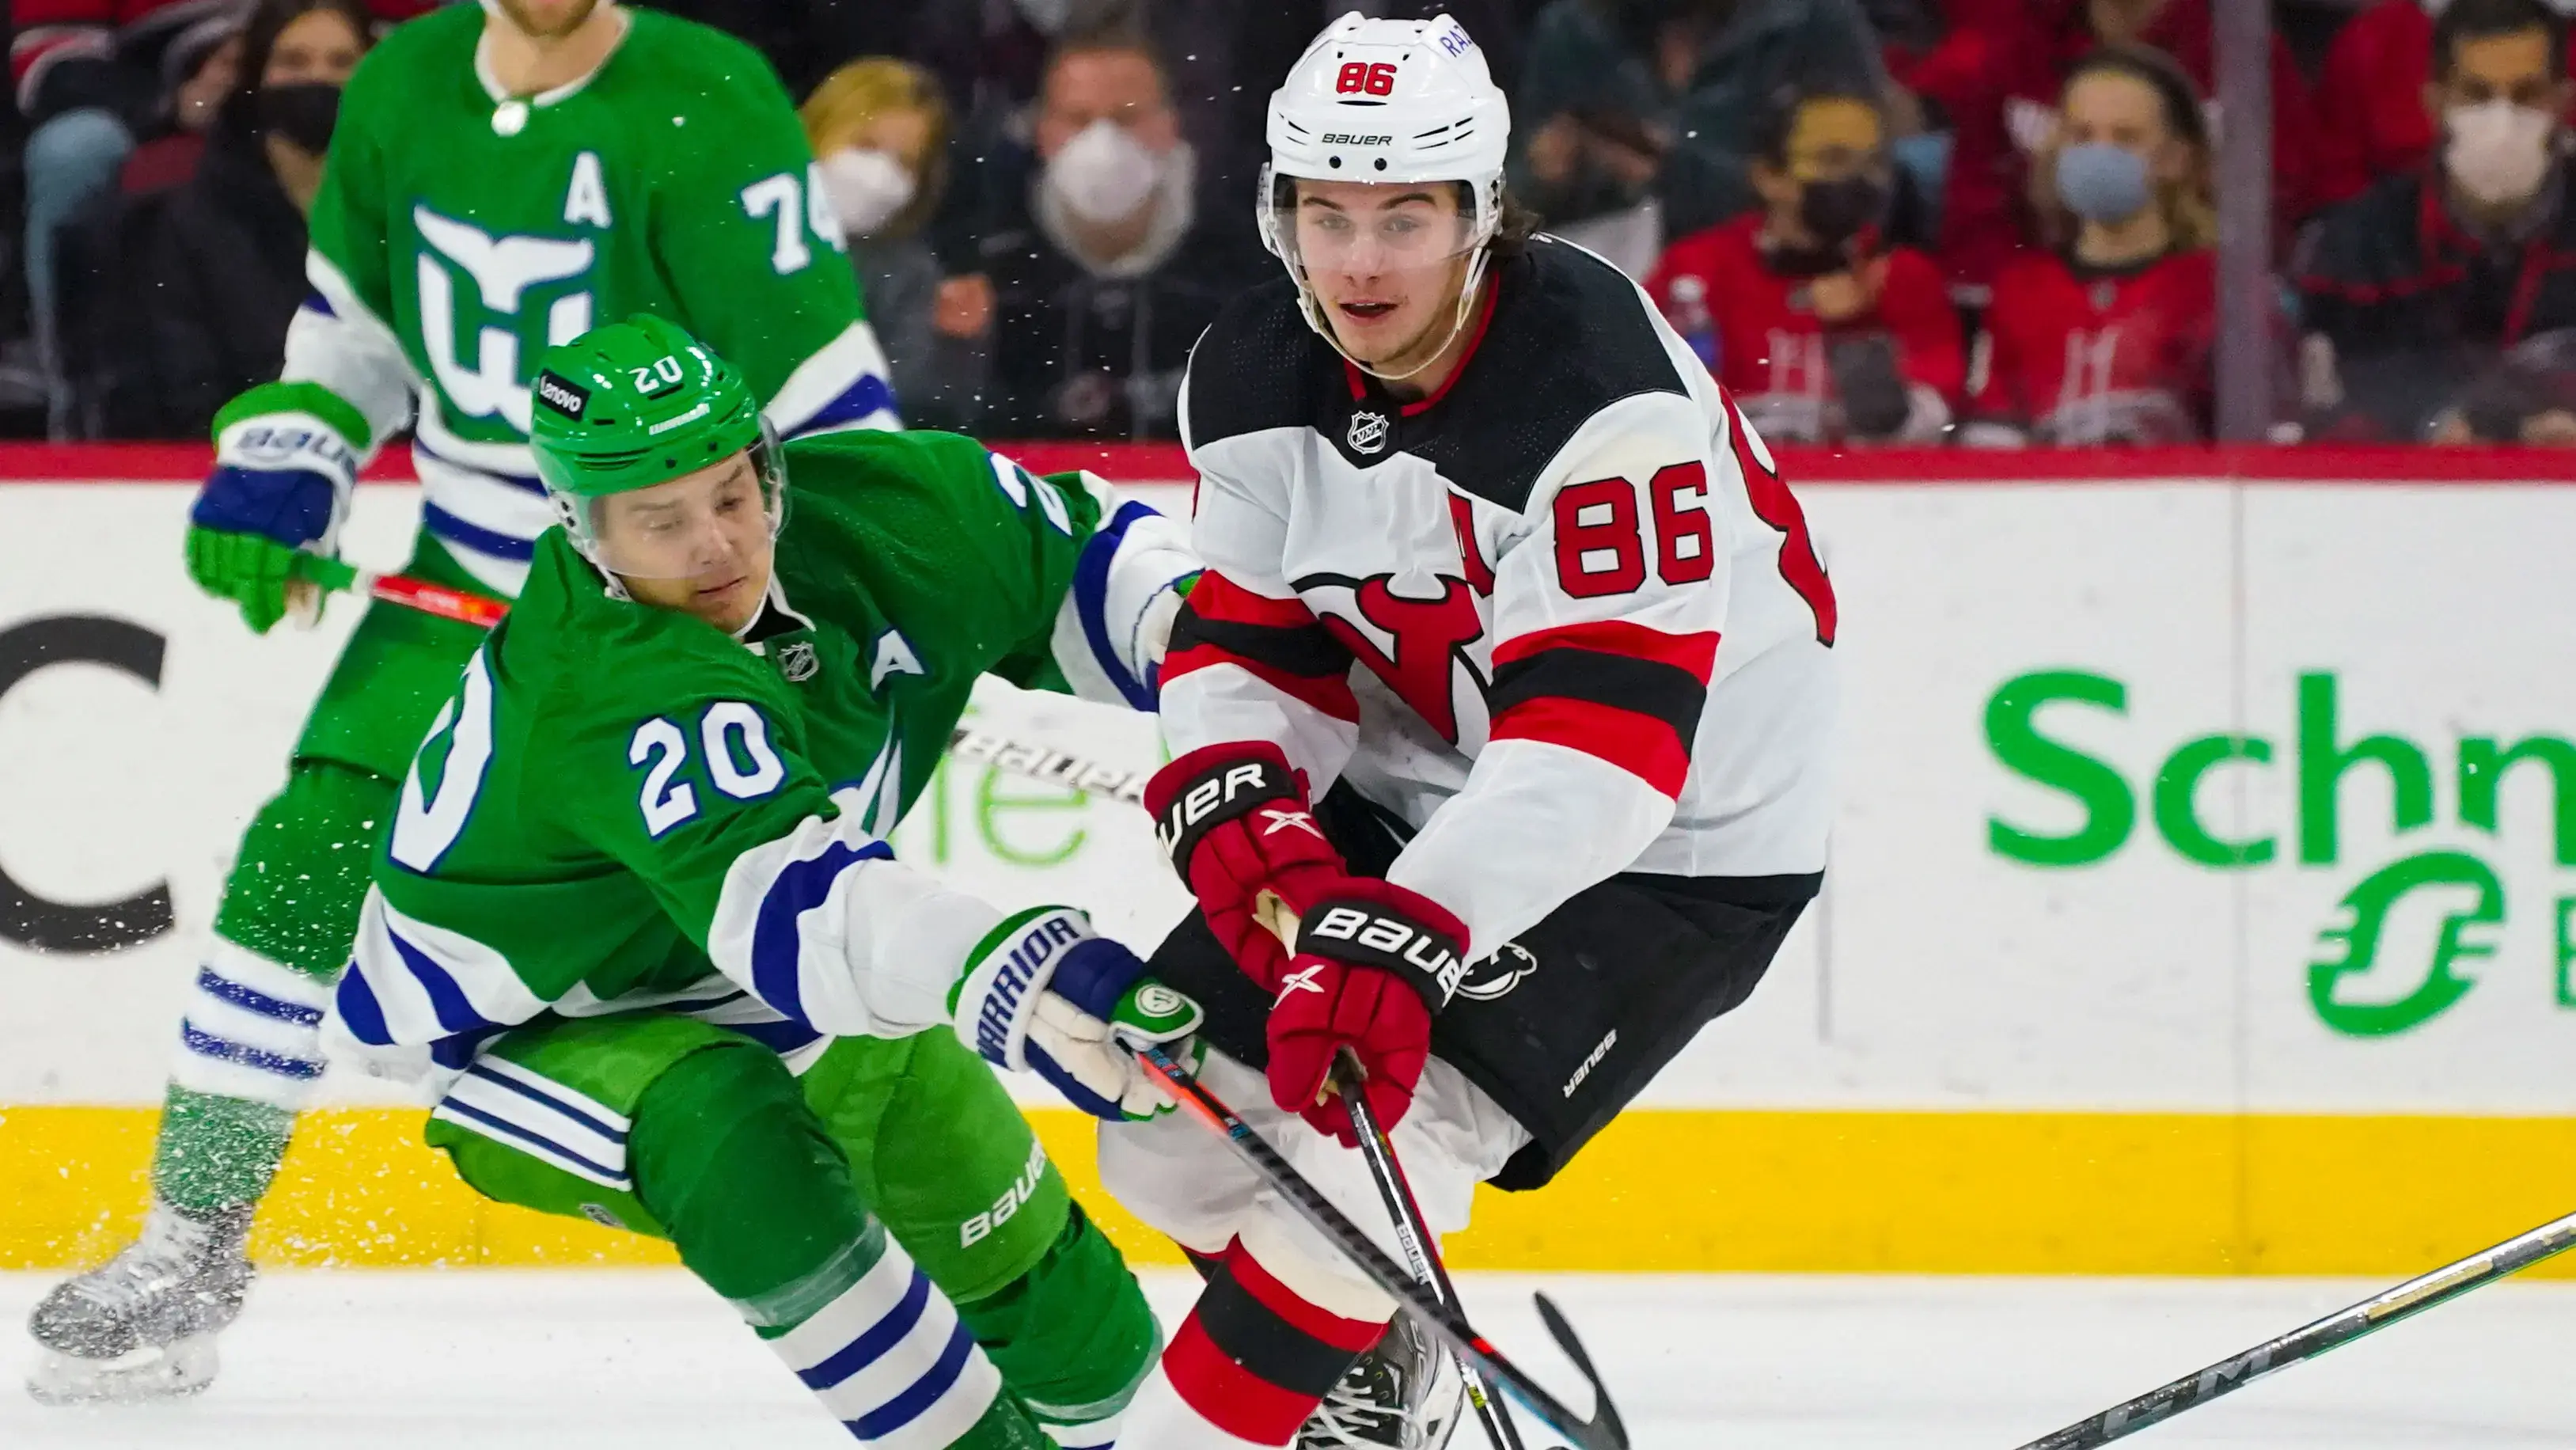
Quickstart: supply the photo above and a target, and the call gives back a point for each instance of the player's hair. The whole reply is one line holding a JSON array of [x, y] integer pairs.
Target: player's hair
[[870, 87], [2189, 206], [268, 20], [1768, 138], [1115, 34], [2465, 20]]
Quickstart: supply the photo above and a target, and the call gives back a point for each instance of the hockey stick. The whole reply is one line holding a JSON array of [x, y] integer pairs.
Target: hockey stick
[[2310, 1340], [1038, 762], [1414, 1236], [1601, 1432], [317, 576]]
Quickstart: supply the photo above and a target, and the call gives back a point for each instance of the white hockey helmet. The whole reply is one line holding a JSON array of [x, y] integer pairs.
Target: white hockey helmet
[[1388, 101]]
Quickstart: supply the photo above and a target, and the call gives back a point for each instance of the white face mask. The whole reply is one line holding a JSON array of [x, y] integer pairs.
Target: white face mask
[[2498, 152], [867, 188], [1104, 173]]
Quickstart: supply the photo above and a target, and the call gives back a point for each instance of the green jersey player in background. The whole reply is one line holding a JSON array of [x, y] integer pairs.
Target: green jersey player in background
[[498, 180], [636, 925]]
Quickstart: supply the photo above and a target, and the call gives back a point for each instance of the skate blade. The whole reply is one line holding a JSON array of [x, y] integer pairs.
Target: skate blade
[[173, 1371]]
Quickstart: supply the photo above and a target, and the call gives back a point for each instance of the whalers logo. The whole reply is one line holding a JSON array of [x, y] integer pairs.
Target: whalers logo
[[2373, 972]]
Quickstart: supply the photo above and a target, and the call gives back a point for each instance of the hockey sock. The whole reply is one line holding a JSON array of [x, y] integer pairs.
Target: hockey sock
[[1247, 1367], [759, 1202], [1073, 1337], [249, 1050]]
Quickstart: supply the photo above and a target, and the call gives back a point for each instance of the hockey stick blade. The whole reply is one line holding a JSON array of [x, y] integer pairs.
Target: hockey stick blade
[[2310, 1340], [1602, 1432], [1412, 1232]]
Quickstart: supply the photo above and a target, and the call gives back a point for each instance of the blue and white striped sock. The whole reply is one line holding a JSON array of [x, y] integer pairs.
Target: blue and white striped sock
[[887, 1355], [252, 1029]]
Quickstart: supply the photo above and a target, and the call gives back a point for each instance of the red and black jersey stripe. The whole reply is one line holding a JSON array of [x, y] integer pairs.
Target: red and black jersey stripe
[[1278, 640], [1619, 691]]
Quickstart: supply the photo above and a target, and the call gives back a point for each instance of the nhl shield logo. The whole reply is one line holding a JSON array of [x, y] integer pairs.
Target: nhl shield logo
[[1368, 433], [797, 662]]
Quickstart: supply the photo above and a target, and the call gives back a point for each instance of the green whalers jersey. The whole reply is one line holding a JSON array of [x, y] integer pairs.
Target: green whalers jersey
[[624, 805], [461, 231]]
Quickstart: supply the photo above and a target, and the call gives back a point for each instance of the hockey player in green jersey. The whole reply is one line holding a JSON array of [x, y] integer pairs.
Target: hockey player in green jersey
[[635, 924], [497, 180]]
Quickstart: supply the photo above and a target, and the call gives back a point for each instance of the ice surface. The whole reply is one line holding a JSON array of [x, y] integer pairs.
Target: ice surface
[[517, 1360]]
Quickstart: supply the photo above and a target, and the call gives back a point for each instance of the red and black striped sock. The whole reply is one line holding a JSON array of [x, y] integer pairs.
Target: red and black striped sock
[[1254, 1359]]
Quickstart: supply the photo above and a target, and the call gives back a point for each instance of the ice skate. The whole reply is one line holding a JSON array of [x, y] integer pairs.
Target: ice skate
[[143, 1325], [1403, 1395]]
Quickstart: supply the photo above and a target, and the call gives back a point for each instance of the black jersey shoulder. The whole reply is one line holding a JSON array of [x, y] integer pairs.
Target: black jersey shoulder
[[1569, 336], [1258, 366]]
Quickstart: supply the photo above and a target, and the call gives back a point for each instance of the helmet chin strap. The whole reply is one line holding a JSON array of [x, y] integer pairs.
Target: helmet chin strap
[[1467, 290]]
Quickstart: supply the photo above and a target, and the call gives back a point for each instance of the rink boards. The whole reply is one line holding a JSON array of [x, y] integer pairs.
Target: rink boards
[[2203, 897]]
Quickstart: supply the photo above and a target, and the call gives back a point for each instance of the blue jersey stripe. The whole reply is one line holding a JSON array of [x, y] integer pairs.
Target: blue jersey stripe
[[868, 395], [459, 1051], [1091, 600], [482, 1073], [250, 1000], [447, 526], [875, 1341], [455, 1011], [907, 1407], [359, 1009], [800, 887], [544, 1146], [206, 1044], [779, 1037]]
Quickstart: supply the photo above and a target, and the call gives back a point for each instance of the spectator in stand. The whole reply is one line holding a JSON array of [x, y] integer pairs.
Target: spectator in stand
[[1113, 267], [2002, 95], [2415, 289], [90, 80], [206, 60], [2370, 98], [194, 285], [1630, 119], [1822, 332], [879, 128], [2106, 336]]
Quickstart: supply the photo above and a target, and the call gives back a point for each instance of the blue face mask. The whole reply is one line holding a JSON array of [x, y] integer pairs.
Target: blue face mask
[[2102, 183]]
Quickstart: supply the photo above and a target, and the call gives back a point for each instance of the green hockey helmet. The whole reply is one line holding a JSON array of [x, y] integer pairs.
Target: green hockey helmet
[[633, 404]]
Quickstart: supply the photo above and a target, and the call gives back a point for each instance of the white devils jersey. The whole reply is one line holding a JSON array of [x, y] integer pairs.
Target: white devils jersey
[[1561, 617]]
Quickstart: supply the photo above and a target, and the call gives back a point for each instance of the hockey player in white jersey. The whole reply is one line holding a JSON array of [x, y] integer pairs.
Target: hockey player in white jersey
[[1511, 676]]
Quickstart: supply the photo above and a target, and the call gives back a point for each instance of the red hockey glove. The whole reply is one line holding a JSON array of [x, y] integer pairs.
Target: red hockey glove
[[1374, 962], [1233, 818]]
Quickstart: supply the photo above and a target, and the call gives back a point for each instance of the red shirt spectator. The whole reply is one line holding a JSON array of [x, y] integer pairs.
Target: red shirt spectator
[[2085, 355], [1766, 335], [2370, 100], [1822, 335], [1999, 109], [2110, 339]]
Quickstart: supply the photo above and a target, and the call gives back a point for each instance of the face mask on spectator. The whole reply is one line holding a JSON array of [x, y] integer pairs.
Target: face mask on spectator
[[2103, 183], [1834, 212], [867, 188], [1103, 174], [303, 113], [2498, 152]]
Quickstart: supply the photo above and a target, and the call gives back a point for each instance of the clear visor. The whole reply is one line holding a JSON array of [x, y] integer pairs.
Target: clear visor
[[698, 525], [1338, 230]]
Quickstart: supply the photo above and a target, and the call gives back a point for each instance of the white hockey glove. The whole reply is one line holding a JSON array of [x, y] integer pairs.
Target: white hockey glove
[[1044, 993]]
